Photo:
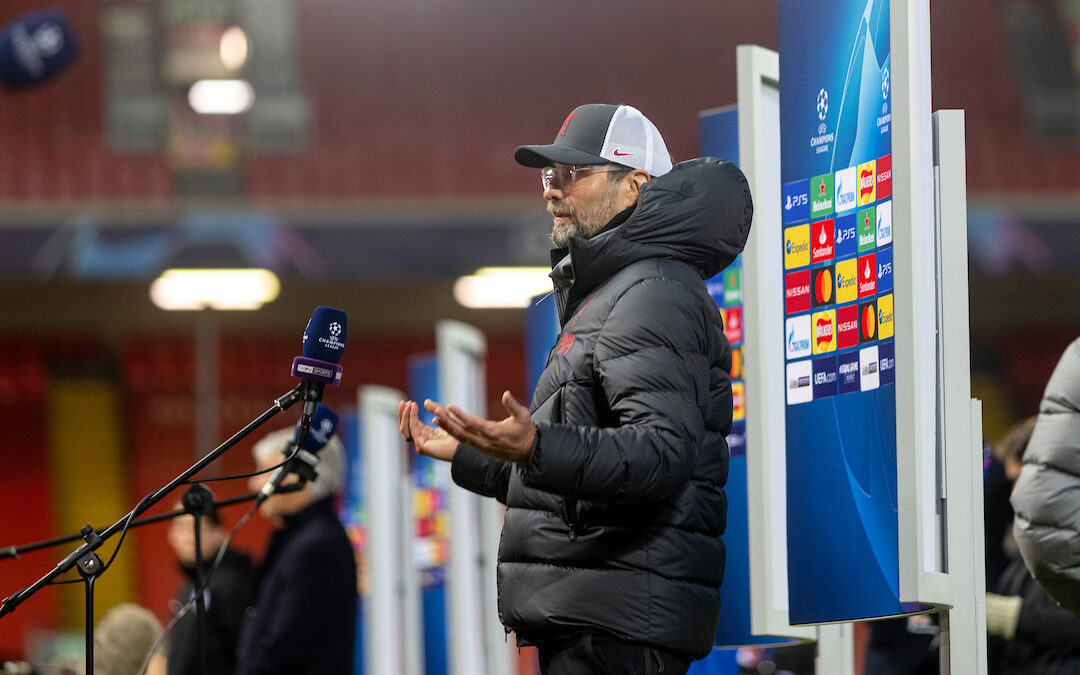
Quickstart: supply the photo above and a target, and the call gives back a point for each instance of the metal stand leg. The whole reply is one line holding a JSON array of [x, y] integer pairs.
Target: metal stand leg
[[90, 567]]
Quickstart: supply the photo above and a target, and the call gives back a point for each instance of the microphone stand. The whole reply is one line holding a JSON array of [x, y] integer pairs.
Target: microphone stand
[[90, 564]]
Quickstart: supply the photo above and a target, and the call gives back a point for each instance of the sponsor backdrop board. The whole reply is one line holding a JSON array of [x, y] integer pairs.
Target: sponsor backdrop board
[[838, 310]]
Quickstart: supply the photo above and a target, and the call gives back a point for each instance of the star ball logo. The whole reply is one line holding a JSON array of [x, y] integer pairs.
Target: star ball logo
[[335, 328], [822, 104], [824, 326], [885, 83]]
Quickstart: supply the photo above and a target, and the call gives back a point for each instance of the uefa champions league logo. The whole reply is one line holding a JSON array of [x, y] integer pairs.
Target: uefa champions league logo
[[822, 104], [335, 328], [885, 84]]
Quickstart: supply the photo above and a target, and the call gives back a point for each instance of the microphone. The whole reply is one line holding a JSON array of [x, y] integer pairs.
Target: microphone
[[324, 341], [35, 47], [303, 464]]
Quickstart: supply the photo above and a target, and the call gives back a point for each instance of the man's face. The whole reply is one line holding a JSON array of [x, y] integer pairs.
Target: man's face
[[181, 535], [279, 505], [584, 209]]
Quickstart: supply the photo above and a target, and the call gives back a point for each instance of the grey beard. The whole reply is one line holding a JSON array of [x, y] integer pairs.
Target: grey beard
[[587, 221]]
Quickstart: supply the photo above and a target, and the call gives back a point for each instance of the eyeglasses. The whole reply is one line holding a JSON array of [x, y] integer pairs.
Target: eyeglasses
[[564, 175]]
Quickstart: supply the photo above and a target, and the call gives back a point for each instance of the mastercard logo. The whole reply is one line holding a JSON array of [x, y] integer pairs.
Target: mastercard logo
[[868, 322], [823, 286]]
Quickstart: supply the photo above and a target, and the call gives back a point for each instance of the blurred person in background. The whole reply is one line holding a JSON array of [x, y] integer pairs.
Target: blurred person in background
[[1047, 494], [611, 555], [123, 640], [225, 597], [1030, 633], [303, 616]]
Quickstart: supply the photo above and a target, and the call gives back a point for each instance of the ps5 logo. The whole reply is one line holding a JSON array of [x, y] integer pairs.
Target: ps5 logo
[[822, 104]]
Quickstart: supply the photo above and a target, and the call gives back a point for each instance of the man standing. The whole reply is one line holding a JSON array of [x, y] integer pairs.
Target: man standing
[[303, 617], [611, 558], [225, 597]]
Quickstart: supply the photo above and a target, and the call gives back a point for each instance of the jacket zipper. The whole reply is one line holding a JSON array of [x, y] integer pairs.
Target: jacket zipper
[[568, 507]]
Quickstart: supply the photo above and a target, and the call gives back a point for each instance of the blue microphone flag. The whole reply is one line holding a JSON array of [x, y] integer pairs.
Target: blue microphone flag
[[36, 46], [323, 423]]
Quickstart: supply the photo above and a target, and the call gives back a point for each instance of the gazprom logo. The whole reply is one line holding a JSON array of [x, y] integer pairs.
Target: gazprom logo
[[797, 344]]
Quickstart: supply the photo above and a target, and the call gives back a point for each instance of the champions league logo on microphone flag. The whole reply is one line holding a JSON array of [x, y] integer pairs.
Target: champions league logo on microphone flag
[[36, 47]]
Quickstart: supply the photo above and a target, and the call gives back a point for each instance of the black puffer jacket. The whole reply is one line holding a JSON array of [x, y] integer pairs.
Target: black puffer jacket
[[1047, 494], [615, 522]]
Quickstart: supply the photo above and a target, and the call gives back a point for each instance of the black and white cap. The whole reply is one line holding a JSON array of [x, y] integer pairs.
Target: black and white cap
[[599, 133]]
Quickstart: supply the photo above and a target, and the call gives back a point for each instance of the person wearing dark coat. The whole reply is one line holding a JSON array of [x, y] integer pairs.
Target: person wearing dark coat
[[611, 557], [302, 620], [225, 598]]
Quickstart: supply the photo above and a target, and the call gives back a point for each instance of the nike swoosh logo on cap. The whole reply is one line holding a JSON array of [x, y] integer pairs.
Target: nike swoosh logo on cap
[[621, 154]]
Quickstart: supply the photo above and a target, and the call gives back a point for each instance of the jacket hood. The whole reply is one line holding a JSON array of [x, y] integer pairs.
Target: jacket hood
[[698, 213]]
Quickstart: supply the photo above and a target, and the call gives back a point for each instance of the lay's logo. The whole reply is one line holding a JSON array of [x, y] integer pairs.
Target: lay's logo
[[824, 327], [866, 183]]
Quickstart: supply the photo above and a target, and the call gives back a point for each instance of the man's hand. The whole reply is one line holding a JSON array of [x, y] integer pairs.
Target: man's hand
[[428, 441], [509, 439]]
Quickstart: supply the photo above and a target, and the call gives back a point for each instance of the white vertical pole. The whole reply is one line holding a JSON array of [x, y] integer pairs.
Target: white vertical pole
[[383, 451], [963, 645], [836, 649], [460, 351], [758, 76], [919, 484]]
